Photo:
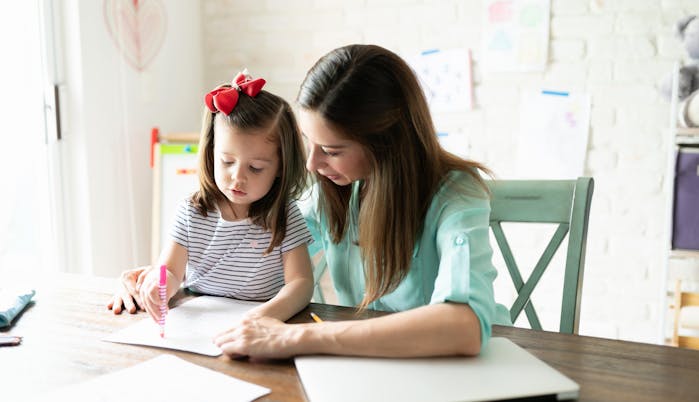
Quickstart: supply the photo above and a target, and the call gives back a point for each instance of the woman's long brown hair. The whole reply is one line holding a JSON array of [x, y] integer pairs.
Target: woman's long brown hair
[[370, 95]]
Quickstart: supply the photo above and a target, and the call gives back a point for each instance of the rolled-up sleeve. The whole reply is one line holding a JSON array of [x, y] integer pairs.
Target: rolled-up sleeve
[[466, 273], [308, 204]]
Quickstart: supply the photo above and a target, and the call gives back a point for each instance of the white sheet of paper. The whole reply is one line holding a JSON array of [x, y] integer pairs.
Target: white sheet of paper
[[553, 134], [503, 370], [165, 378], [447, 81], [190, 326]]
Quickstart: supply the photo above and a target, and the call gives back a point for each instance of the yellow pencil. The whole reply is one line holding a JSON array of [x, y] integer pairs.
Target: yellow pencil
[[316, 318]]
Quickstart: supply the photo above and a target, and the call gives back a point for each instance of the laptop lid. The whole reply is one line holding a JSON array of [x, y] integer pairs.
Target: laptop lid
[[503, 370]]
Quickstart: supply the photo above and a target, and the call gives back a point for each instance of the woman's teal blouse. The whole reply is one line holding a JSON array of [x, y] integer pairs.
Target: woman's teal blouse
[[451, 259]]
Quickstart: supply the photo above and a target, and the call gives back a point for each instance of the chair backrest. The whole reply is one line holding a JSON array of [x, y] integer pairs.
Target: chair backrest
[[562, 202], [682, 304]]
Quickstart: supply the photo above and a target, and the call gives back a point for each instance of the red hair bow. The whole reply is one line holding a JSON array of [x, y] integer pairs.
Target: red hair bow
[[225, 99]]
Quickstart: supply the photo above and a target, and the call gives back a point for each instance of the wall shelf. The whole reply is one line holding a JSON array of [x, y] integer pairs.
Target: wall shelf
[[687, 136], [688, 131], [677, 253]]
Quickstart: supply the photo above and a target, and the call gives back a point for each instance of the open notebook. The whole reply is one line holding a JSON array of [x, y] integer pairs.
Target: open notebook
[[503, 370]]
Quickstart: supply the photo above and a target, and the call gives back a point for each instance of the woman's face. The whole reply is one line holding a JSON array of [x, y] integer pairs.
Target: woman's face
[[330, 154]]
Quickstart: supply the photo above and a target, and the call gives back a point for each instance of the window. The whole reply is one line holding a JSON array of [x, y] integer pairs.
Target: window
[[26, 203]]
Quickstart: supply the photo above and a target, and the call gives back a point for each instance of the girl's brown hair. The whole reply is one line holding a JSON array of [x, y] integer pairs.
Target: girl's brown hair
[[273, 116], [370, 95]]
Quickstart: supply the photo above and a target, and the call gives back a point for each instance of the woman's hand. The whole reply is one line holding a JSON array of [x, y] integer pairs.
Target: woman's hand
[[442, 329], [128, 294], [260, 337]]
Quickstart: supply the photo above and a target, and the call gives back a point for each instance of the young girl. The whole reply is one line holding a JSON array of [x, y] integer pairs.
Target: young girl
[[404, 224], [240, 235]]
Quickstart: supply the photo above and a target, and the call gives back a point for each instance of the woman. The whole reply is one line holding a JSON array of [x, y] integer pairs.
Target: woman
[[403, 223]]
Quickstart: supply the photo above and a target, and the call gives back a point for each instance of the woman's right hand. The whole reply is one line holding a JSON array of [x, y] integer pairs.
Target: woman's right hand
[[262, 337], [128, 295]]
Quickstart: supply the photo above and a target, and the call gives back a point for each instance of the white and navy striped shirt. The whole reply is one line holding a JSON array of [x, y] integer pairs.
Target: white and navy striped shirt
[[227, 258]]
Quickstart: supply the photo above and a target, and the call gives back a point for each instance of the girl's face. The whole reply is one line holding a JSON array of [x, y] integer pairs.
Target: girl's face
[[330, 154], [245, 165]]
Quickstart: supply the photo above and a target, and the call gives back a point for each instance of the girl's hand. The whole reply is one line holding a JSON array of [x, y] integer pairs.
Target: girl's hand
[[149, 292], [142, 283], [259, 337], [128, 295]]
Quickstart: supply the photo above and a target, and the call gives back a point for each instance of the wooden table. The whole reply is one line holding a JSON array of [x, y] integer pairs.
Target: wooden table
[[63, 331]]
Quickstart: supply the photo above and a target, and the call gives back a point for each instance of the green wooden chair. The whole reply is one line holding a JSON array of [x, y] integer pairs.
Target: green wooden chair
[[562, 202]]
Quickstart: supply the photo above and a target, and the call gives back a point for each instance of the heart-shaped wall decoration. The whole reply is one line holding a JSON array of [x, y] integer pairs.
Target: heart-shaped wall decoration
[[138, 28]]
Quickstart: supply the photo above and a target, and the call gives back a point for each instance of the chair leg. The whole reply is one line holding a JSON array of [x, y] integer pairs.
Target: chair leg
[[318, 294]]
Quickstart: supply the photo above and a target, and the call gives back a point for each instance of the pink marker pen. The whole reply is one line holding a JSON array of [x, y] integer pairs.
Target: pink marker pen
[[162, 289]]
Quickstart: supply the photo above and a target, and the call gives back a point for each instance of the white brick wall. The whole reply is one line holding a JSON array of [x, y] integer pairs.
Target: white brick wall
[[616, 50]]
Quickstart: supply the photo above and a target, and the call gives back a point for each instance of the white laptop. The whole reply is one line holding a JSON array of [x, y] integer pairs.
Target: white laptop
[[502, 371]]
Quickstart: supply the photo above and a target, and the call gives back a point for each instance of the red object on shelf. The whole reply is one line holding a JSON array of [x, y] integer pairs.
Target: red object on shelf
[[154, 134]]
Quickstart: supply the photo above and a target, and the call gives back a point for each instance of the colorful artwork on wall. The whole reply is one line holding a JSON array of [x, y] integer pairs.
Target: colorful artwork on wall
[[138, 28], [516, 35], [446, 78]]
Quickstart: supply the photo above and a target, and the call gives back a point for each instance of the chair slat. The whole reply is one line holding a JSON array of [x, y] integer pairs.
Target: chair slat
[[510, 263], [515, 276], [525, 292], [545, 201], [532, 317]]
